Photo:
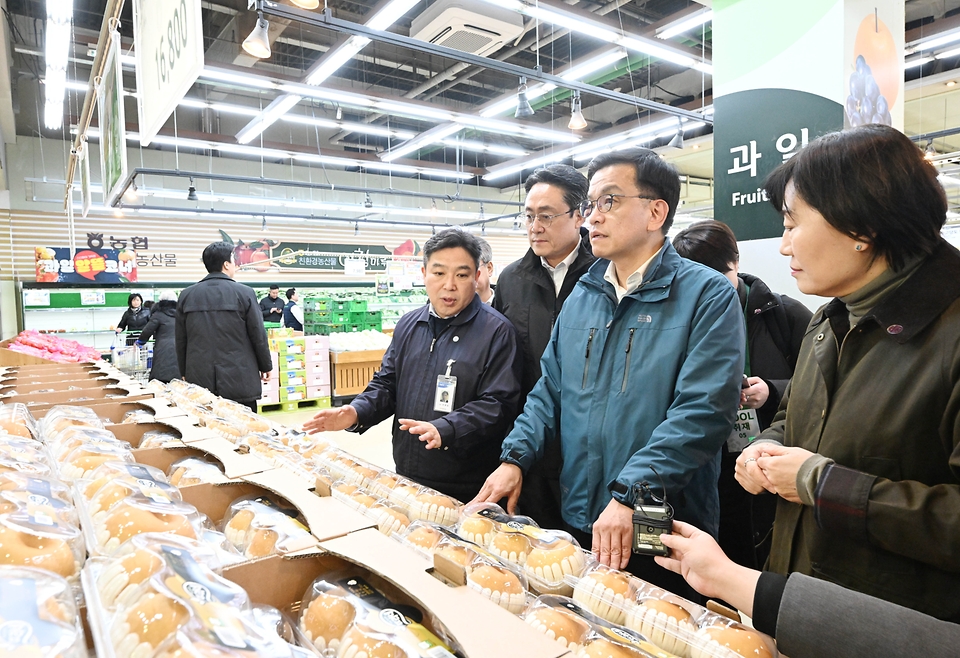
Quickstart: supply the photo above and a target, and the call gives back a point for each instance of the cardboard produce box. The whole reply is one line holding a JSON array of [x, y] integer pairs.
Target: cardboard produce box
[[478, 627], [53, 384], [40, 402], [114, 409]]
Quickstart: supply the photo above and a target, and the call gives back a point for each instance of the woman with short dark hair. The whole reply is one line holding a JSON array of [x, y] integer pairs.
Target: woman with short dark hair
[[775, 328], [865, 452], [134, 319]]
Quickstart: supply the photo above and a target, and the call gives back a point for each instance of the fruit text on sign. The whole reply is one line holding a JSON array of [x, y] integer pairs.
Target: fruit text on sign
[[745, 159]]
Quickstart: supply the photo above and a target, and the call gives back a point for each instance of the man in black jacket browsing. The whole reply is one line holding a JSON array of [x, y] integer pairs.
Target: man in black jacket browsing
[[455, 345], [221, 342], [530, 293], [271, 305]]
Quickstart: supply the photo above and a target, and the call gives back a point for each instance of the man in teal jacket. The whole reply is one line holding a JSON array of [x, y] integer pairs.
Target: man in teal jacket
[[641, 378]]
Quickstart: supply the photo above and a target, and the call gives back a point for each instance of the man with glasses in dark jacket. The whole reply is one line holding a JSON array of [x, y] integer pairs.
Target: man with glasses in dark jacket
[[451, 378], [531, 292]]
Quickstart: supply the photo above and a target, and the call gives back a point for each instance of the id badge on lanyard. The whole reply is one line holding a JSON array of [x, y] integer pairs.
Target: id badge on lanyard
[[745, 429], [446, 390]]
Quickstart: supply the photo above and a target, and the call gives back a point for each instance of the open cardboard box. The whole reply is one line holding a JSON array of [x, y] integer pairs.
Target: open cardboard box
[[234, 463], [39, 403], [184, 428], [52, 366], [480, 627], [112, 410], [53, 384]]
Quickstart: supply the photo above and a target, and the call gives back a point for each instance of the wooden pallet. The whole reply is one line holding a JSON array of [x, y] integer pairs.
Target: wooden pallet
[[294, 405]]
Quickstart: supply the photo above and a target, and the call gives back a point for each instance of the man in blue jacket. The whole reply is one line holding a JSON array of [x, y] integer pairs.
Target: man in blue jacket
[[641, 378], [451, 377]]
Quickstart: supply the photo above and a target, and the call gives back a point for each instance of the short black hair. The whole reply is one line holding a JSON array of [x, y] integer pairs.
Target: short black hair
[[215, 255], [654, 176], [572, 182], [449, 239], [274, 287], [709, 242], [870, 183], [132, 296], [291, 292]]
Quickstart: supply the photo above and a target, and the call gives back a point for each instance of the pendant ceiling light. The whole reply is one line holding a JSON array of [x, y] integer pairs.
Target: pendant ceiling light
[[577, 122], [258, 43], [523, 105]]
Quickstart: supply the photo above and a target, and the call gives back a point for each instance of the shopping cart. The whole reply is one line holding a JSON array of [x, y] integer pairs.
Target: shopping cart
[[133, 361]]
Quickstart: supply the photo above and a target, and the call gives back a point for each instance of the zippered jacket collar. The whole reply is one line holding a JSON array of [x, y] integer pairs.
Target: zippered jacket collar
[[656, 280]]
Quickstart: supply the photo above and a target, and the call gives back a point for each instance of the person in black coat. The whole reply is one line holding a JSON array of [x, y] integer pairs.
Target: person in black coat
[[162, 328], [531, 292], [134, 318], [221, 342], [776, 325], [271, 306], [456, 345]]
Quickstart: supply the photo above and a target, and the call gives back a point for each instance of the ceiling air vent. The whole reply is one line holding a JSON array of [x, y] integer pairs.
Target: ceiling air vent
[[460, 24]]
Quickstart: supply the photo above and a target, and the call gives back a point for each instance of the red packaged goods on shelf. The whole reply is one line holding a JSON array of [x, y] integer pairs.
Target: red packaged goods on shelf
[[52, 348]]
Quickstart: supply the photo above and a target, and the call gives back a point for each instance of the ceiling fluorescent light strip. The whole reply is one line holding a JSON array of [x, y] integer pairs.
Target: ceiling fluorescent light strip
[[57, 49], [934, 42], [333, 60], [595, 29], [685, 24], [277, 108], [588, 150], [436, 134], [365, 128], [277, 154], [920, 61]]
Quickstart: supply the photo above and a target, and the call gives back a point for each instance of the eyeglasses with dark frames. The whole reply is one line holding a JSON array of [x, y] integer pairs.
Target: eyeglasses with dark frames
[[545, 220], [604, 202]]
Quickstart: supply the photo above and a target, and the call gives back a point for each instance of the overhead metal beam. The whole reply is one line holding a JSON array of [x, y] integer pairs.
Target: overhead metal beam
[[283, 182], [326, 20]]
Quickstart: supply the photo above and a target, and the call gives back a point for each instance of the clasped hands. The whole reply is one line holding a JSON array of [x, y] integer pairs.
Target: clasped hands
[[771, 467]]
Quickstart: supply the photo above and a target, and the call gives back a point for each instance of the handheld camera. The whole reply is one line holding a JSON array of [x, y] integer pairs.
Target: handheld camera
[[652, 517]]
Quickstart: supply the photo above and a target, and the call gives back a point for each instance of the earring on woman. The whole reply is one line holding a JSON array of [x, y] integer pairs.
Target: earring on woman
[[859, 247]]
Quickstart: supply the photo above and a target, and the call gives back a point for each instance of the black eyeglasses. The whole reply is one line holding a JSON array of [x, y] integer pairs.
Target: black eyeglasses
[[545, 220], [605, 202]]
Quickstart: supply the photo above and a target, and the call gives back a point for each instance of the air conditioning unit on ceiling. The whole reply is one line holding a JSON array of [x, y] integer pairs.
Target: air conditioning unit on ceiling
[[473, 27]]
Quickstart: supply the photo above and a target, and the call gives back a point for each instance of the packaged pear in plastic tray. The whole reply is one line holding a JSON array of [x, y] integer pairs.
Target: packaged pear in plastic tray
[[85, 459], [38, 615], [62, 416], [503, 583], [34, 538], [17, 450], [196, 470], [59, 444], [181, 390], [136, 514], [549, 557], [162, 597], [391, 519], [38, 497], [16, 420], [670, 622], [344, 615], [259, 525], [586, 635]]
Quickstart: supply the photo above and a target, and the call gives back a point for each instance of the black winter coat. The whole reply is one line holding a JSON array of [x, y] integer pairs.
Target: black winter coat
[[486, 350], [776, 325], [133, 319], [221, 342], [162, 328], [527, 297]]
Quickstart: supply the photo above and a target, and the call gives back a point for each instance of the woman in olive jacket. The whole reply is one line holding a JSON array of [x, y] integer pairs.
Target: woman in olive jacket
[[865, 450]]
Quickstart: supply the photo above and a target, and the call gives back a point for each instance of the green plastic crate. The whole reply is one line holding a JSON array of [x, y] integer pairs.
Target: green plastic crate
[[374, 326], [317, 304], [324, 329], [355, 305], [318, 316]]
